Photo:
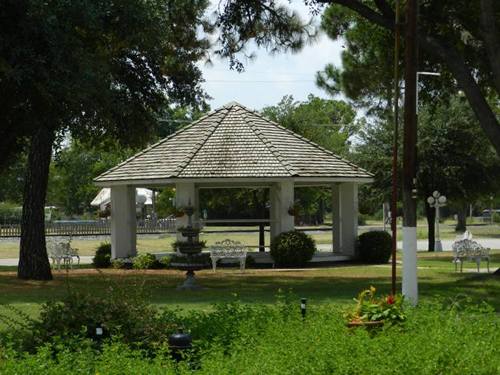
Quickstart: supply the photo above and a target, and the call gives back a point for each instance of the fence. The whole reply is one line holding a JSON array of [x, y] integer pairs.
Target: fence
[[89, 228]]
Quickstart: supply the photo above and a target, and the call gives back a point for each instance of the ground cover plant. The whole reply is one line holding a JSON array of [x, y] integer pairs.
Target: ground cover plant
[[438, 337]]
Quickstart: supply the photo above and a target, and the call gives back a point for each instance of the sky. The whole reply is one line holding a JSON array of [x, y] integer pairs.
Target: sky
[[268, 78]]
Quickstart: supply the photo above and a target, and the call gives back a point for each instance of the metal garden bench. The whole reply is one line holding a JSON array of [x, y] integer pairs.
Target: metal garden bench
[[60, 251], [228, 249], [467, 249]]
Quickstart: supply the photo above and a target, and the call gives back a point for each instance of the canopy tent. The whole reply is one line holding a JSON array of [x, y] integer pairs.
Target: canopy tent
[[103, 198]]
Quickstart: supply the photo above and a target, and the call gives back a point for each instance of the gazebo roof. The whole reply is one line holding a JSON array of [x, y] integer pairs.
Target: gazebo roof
[[233, 142]]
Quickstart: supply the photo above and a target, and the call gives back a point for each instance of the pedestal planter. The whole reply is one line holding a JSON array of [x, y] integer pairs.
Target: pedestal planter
[[191, 250]]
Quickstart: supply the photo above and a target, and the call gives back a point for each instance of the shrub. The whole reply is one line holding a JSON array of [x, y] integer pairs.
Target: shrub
[[118, 264], [238, 338], [292, 248], [120, 312], [374, 247], [146, 262], [102, 258]]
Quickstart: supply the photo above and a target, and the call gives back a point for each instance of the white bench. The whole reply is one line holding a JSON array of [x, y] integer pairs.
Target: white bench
[[228, 249], [60, 250], [467, 249]]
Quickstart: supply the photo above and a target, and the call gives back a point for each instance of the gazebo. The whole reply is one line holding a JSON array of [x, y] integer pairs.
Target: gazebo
[[235, 147]]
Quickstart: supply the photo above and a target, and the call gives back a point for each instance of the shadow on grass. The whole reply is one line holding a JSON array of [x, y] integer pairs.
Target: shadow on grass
[[326, 285]]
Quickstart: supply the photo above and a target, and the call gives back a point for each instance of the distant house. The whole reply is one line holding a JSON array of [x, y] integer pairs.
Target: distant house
[[143, 197]]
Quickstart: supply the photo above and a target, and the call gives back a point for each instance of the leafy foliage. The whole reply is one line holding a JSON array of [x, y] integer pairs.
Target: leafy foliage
[[374, 247], [145, 262], [273, 339], [293, 248], [102, 257], [369, 308]]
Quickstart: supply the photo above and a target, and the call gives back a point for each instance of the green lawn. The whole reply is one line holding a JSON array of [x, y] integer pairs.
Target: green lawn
[[162, 243], [337, 284]]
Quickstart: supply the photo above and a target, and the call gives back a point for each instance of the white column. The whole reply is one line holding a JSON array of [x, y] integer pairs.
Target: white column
[[274, 209], [123, 222], [345, 217], [287, 200], [282, 198], [336, 219], [410, 283], [185, 195]]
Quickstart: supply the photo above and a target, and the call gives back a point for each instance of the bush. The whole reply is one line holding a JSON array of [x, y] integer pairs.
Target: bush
[[120, 312], [374, 247], [292, 249], [102, 258], [237, 338], [146, 262]]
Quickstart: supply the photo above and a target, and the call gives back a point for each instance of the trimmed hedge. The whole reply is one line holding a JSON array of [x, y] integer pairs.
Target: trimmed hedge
[[374, 247], [102, 258], [292, 249]]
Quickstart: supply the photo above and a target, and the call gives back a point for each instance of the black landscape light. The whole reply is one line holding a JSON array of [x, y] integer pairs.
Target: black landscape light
[[179, 343], [303, 302]]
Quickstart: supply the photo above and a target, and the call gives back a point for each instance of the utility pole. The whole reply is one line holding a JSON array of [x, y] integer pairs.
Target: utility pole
[[394, 195], [410, 284]]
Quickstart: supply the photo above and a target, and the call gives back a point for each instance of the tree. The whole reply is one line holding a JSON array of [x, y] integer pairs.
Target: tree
[[96, 69], [71, 185], [329, 123], [460, 36], [454, 158]]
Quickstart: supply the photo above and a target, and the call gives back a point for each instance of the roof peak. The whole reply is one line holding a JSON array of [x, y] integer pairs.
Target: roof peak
[[233, 104]]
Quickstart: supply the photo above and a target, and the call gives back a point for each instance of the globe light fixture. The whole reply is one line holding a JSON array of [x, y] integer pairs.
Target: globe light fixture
[[437, 200]]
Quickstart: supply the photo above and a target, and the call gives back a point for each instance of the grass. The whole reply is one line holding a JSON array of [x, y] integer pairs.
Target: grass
[[337, 284]]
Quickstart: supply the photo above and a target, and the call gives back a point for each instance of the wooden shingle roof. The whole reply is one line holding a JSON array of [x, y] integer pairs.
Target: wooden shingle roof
[[230, 142]]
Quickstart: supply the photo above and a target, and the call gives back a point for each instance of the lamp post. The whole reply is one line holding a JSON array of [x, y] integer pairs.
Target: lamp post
[[422, 74], [437, 200], [491, 210]]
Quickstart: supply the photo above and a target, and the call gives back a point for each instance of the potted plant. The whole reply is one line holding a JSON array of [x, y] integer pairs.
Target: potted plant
[[374, 311], [294, 210]]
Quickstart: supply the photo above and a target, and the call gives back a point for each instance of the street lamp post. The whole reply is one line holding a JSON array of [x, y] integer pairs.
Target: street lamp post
[[423, 74], [437, 200]]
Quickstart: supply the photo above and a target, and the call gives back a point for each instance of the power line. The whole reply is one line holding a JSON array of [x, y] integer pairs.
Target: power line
[[257, 81]]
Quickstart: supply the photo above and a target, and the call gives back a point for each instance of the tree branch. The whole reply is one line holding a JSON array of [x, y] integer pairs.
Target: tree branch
[[462, 74], [491, 39], [364, 11], [455, 62]]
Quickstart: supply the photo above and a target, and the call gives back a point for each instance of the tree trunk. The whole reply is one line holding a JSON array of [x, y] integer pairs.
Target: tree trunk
[[461, 220], [33, 260], [430, 213]]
